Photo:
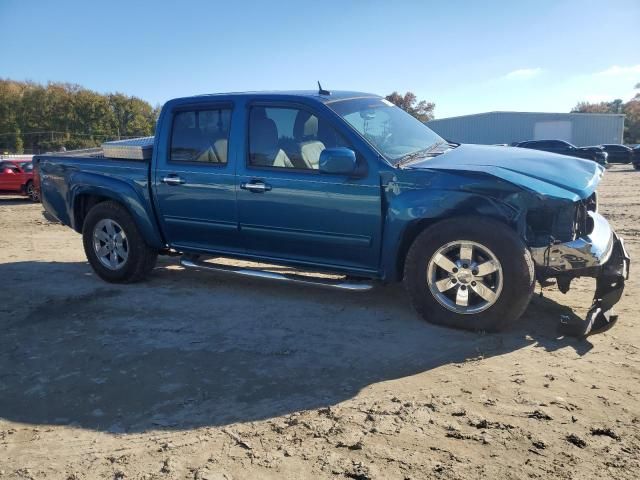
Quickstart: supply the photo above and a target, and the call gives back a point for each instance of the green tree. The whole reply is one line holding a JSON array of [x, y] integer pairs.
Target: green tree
[[131, 116], [49, 117], [9, 106], [632, 119], [616, 106], [19, 145], [422, 109], [631, 110]]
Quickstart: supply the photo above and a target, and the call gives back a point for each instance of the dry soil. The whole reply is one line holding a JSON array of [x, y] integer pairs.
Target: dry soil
[[198, 376]]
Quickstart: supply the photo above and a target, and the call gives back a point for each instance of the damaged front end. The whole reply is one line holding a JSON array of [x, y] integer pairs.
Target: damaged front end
[[595, 251]]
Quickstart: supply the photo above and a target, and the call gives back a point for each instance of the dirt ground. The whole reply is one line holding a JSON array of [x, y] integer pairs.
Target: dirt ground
[[199, 376]]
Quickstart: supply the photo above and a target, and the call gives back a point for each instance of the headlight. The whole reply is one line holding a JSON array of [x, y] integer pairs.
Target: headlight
[[592, 202], [584, 221]]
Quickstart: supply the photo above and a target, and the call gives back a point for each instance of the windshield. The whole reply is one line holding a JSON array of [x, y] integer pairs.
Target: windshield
[[392, 131]]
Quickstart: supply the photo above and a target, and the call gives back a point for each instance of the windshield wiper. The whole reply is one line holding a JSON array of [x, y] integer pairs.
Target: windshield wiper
[[420, 153]]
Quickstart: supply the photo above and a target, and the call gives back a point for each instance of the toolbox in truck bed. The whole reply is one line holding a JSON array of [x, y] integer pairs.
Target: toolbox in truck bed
[[130, 149]]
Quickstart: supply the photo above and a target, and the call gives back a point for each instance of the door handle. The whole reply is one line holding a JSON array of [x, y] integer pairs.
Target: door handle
[[256, 186], [172, 180]]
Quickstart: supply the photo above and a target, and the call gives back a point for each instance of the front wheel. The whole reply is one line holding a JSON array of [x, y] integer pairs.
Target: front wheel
[[469, 272], [113, 245]]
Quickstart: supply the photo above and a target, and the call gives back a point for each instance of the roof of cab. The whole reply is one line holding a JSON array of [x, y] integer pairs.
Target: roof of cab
[[274, 95]]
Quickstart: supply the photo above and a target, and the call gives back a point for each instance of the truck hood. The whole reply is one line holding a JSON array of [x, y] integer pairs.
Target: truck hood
[[544, 173]]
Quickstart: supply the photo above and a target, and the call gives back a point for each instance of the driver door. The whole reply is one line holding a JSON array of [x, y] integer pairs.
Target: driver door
[[289, 210]]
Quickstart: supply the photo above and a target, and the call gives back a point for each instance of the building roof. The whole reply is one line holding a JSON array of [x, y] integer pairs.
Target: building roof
[[509, 112]]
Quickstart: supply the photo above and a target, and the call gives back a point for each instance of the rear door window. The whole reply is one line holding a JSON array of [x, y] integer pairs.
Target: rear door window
[[201, 136]]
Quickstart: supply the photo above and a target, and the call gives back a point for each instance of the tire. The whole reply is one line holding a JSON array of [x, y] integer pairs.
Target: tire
[[31, 191], [511, 283], [636, 166], [137, 259]]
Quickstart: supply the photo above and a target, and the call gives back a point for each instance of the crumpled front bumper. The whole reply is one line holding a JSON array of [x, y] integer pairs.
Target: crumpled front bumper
[[602, 255]]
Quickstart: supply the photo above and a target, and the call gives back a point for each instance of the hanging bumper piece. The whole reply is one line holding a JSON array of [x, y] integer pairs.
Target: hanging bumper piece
[[601, 255]]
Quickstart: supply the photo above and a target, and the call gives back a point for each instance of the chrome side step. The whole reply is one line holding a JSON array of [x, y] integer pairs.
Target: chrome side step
[[342, 284]]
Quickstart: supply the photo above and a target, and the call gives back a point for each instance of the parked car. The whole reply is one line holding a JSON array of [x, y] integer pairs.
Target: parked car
[[595, 153], [618, 153], [16, 178], [349, 184], [635, 159]]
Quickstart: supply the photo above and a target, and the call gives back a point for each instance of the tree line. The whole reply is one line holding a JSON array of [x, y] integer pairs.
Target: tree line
[[631, 109], [38, 118]]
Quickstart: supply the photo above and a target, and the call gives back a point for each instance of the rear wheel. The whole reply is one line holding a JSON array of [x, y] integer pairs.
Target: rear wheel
[[113, 245], [31, 191], [470, 273]]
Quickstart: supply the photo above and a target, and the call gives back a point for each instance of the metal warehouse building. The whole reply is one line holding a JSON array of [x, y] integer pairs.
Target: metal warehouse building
[[581, 129]]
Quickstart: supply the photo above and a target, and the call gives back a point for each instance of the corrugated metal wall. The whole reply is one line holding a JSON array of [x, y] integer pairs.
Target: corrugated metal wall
[[508, 127]]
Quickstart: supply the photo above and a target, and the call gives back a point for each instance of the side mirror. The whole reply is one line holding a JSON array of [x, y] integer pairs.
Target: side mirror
[[341, 161]]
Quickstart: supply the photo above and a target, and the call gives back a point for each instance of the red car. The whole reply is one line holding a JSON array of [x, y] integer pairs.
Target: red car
[[16, 178]]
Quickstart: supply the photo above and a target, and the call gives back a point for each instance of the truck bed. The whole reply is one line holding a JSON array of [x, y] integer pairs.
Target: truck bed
[[140, 148], [64, 177]]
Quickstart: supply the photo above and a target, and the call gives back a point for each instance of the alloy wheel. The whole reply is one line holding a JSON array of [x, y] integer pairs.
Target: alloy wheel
[[465, 277], [110, 244]]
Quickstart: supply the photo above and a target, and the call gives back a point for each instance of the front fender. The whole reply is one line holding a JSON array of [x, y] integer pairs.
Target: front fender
[[408, 212], [134, 196]]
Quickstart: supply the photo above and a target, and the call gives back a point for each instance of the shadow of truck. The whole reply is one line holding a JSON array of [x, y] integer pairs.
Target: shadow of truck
[[192, 349]]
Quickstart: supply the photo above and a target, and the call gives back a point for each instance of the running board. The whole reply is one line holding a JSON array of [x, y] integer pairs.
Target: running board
[[351, 285]]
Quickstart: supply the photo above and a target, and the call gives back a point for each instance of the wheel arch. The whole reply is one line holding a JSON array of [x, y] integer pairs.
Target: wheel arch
[[25, 186], [467, 206], [84, 197]]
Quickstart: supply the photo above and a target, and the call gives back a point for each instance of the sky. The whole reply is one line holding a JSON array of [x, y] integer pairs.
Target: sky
[[466, 56]]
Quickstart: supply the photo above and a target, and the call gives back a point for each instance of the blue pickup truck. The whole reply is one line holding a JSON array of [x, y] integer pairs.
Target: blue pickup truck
[[348, 184]]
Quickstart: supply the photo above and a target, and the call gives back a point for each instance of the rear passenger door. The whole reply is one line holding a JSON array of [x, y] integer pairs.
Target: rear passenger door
[[195, 181], [288, 209]]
